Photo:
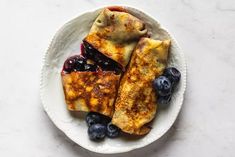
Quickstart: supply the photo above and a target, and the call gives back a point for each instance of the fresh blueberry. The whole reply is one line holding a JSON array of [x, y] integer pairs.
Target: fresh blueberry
[[162, 85], [93, 118], [112, 130], [97, 131], [173, 75], [163, 100], [105, 120]]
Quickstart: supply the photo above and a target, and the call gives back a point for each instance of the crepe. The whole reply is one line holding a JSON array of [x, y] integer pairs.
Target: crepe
[[135, 105], [91, 91], [115, 34]]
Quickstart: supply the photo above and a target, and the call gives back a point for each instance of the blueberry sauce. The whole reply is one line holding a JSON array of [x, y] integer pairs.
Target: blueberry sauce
[[78, 63], [101, 62]]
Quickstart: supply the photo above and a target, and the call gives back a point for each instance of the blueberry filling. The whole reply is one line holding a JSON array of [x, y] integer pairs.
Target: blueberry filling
[[97, 132], [104, 62], [78, 63], [95, 118]]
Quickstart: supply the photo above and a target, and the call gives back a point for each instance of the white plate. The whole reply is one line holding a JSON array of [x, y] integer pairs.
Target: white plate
[[66, 43]]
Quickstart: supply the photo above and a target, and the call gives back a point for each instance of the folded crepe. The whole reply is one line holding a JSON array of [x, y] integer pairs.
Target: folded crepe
[[135, 105], [115, 34], [91, 91]]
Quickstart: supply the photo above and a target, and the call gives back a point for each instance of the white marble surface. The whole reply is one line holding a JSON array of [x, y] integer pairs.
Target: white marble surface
[[204, 29]]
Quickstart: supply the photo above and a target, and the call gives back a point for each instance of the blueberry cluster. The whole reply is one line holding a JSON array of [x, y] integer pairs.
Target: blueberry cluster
[[166, 83], [78, 63], [100, 126]]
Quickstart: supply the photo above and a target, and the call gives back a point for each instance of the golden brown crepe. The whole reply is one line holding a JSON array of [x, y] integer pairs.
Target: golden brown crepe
[[91, 91], [115, 34], [135, 105]]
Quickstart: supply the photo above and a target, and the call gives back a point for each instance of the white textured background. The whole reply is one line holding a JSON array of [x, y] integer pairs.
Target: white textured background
[[204, 29]]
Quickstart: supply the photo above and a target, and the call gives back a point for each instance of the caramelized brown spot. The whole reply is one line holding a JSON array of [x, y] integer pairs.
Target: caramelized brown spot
[[86, 86]]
